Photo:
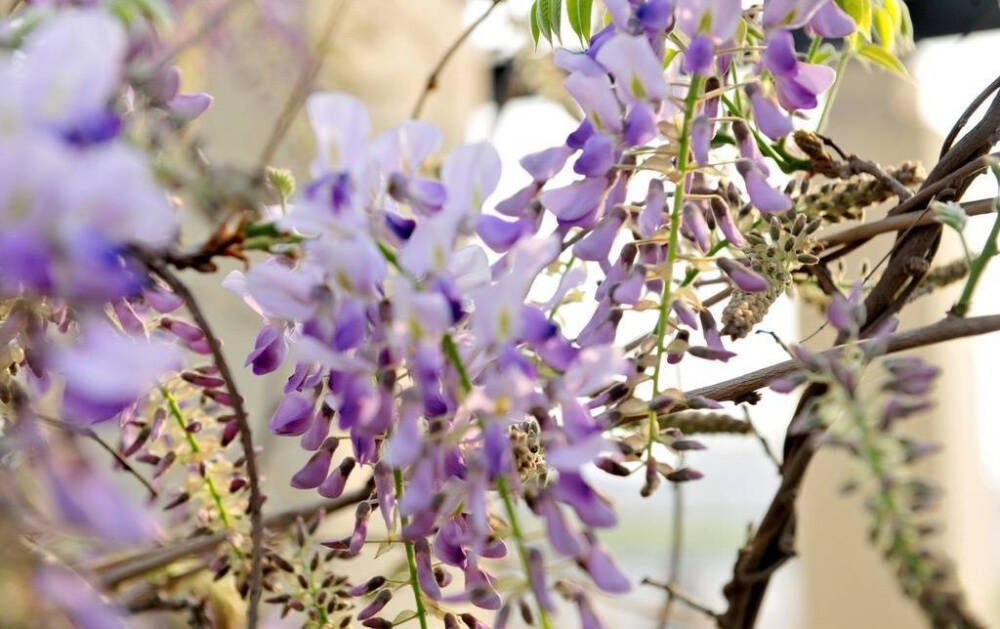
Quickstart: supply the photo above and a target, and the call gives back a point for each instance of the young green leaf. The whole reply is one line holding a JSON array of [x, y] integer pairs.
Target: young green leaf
[[533, 21], [555, 15], [883, 58], [543, 14]]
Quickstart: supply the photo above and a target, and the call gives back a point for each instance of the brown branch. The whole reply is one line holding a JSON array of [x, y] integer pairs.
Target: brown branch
[[111, 574], [432, 79], [945, 330], [89, 433], [246, 435], [865, 166], [898, 223], [964, 118], [773, 542], [674, 593]]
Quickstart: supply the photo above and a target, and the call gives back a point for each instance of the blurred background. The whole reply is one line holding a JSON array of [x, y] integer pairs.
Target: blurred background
[[498, 88]]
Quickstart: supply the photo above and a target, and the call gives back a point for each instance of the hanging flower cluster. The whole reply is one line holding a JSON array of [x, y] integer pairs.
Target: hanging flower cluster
[[399, 298]]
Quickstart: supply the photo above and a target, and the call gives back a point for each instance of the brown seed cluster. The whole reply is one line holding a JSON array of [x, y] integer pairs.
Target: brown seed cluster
[[529, 456]]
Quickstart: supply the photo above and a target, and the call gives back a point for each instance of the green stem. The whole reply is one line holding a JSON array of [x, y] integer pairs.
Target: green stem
[[411, 558], [178, 415], [813, 48], [832, 95], [451, 351], [977, 266], [684, 146], [522, 549]]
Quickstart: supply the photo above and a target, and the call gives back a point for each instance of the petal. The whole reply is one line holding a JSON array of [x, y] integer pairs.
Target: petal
[[576, 200], [762, 195], [638, 74], [545, 165], [769, 118], [831, 21]]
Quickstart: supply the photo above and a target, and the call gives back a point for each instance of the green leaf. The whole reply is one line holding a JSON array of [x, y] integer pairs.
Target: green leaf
[[885, 28], [555, 16], [881, 57], [579, 12], [533, 19], [543, 11]]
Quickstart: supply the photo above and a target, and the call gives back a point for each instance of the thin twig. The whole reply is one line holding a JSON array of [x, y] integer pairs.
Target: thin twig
[[205, 27], [768, 451], [964, 118], [89, 433], [871, 168], [302, 86], [682, 597], [112, 573], [945, 330], [432, 79], [898, 223], [243, 422], [676, 549]]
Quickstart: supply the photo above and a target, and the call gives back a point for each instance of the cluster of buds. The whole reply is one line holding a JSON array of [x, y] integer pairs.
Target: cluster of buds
[[943, 275], [846, 200], [303, 582], [861, 420], [787, 246]]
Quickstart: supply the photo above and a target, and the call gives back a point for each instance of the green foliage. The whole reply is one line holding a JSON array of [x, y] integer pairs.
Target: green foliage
[[546, 19]]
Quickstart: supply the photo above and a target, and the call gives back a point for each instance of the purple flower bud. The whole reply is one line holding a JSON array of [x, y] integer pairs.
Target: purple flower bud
[[314, 471], [831, 21], [576, 200], [500, 235], [293, 415], [480, 589], [787, 384], [333, 486], [425, 574], [769, 118], [518, 204], [381, 600], [545, 165], [496, 448], [537, 577], [187, 107], [640, 125], [562, 538], [229, 432], [597, 157], [269, 350], [683, 475], [652, 215], [698, 56], [597, 244], [161, 300], [745, 279], [314, 437], [695, 224], [603, 571], [701, 138], [723, 218], [367, 587], [762, 195], [590, 507]]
